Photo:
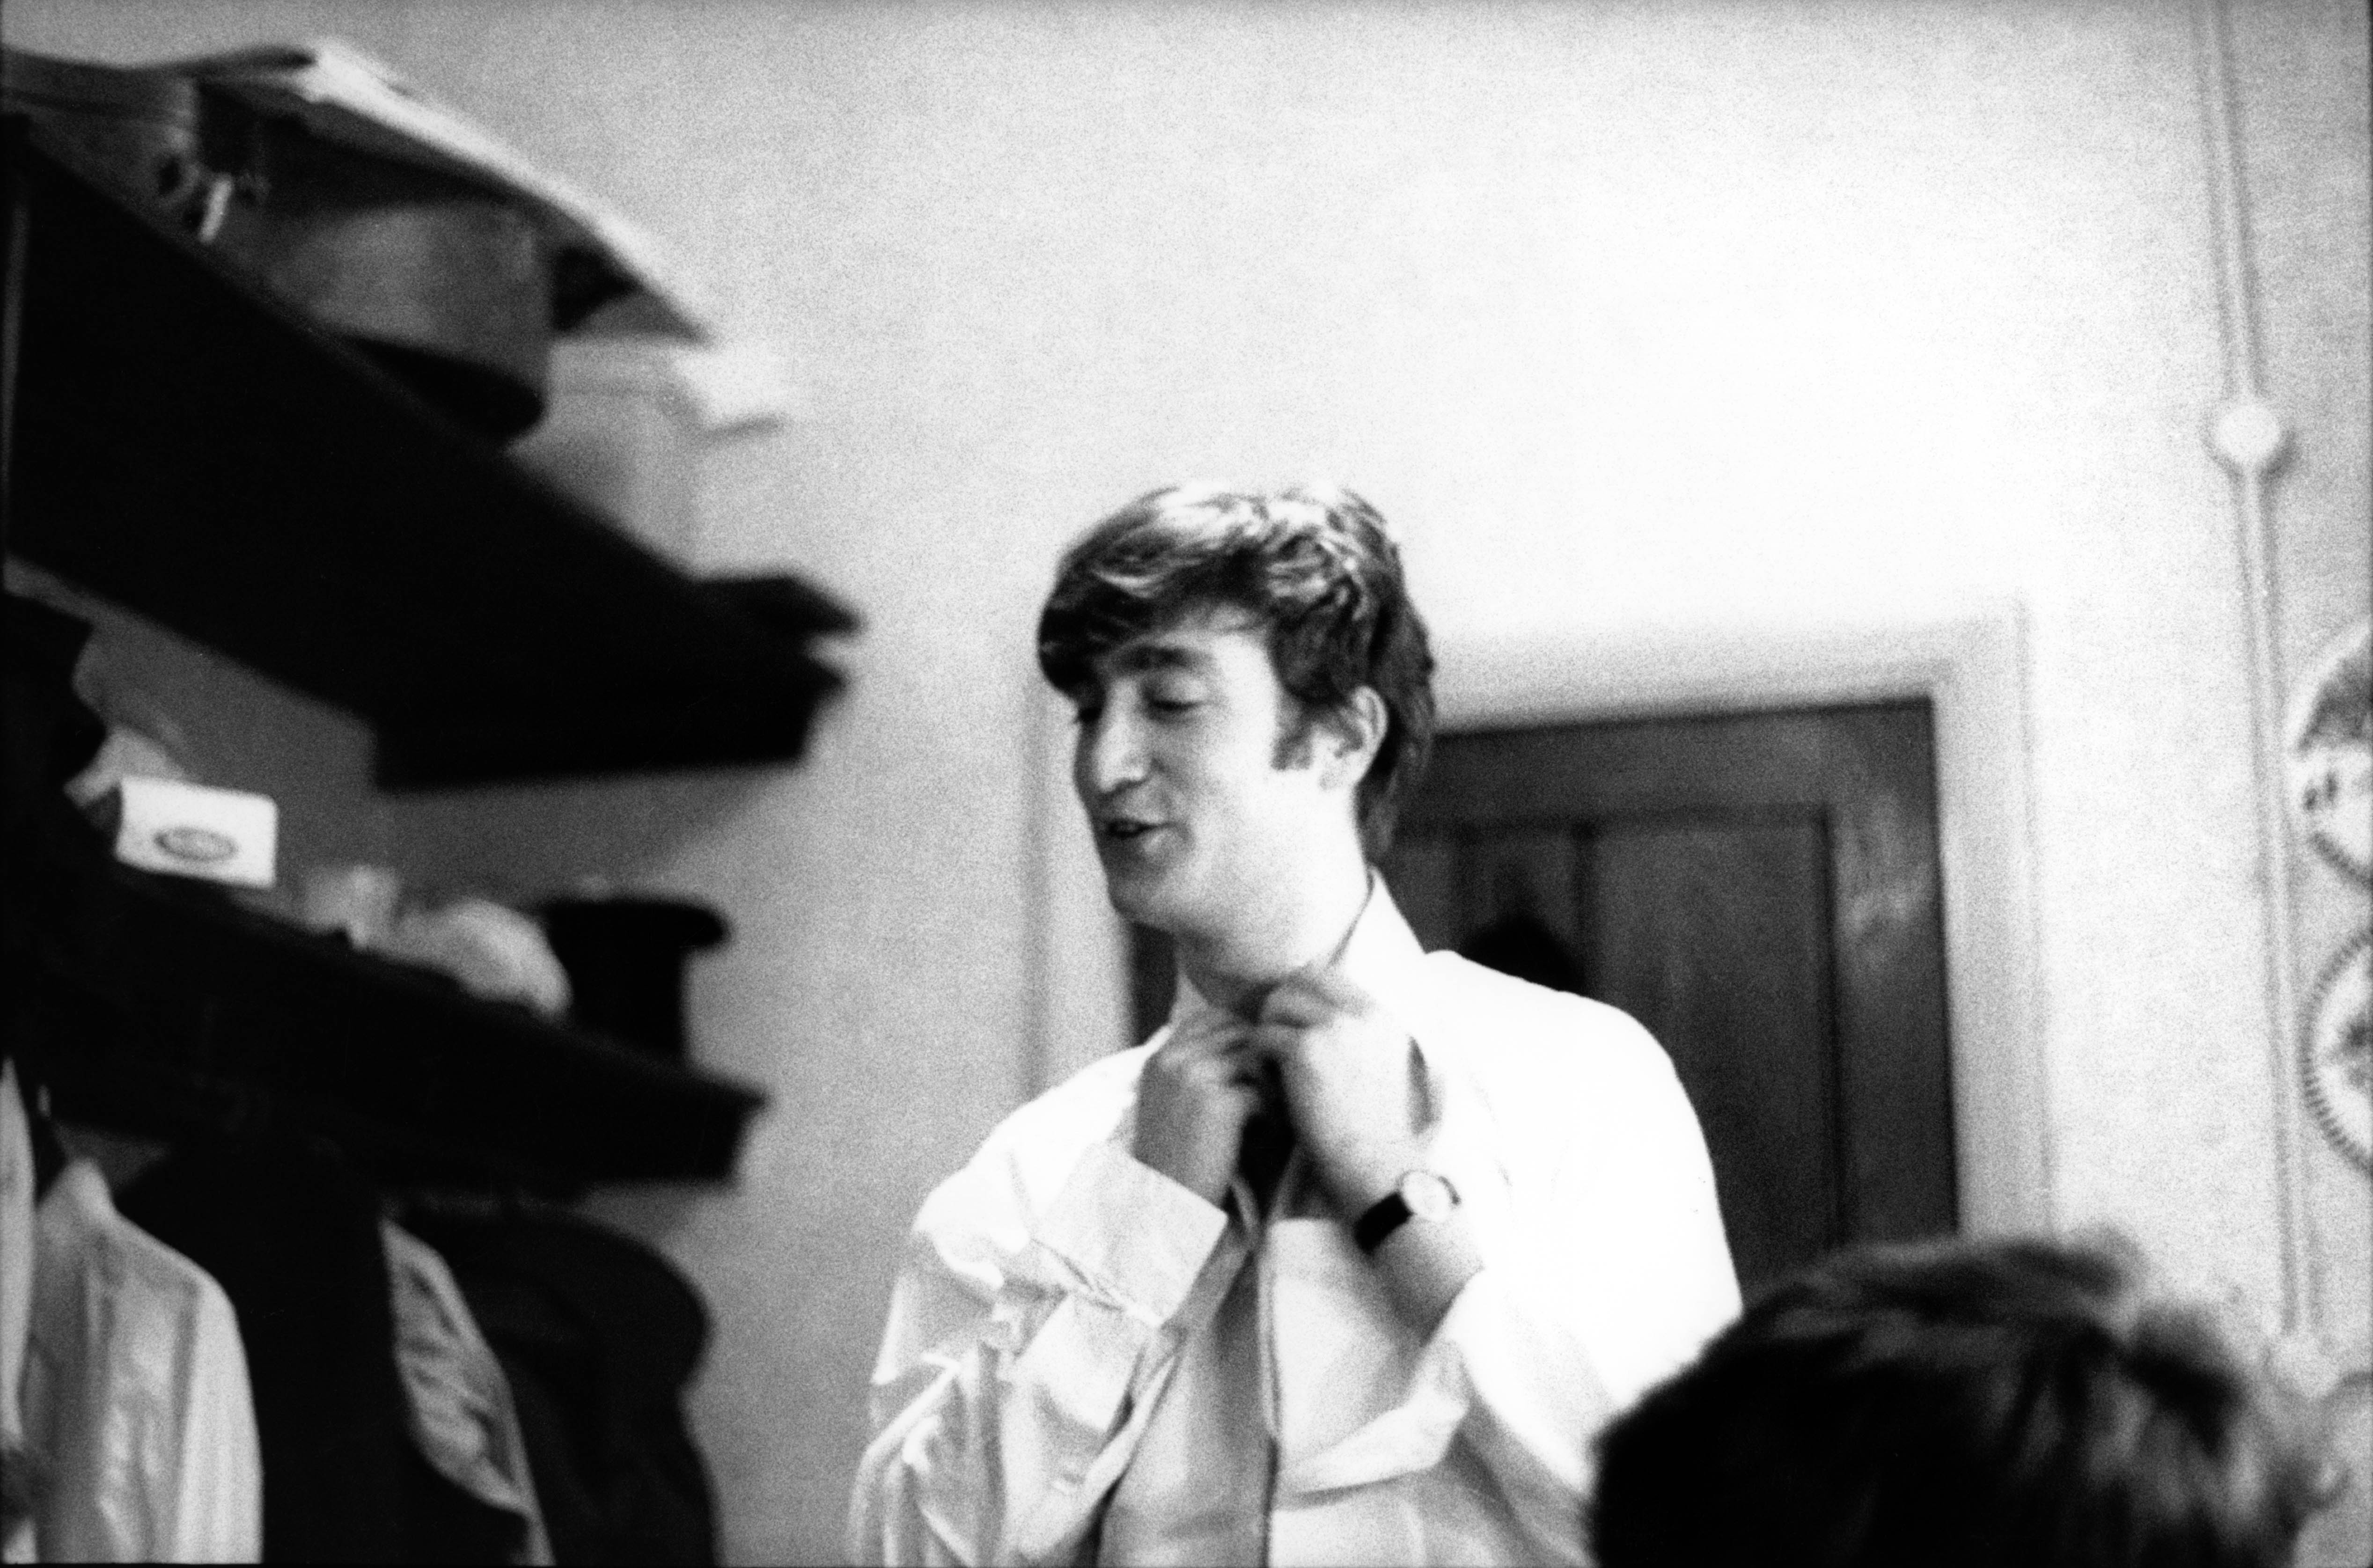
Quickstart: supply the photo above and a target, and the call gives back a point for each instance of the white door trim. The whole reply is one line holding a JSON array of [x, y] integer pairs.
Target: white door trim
[[1969, 662]]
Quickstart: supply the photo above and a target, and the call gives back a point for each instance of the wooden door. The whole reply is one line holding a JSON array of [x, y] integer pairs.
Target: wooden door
[[1761, 891]]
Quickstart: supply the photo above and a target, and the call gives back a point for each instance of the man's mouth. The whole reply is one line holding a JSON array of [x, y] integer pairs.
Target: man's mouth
[[1125, 829]]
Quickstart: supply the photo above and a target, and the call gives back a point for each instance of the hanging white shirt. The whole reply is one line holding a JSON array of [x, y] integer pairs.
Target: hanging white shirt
[[1085, 1362], [16, 1196], [456, 1399], [140, 1422]]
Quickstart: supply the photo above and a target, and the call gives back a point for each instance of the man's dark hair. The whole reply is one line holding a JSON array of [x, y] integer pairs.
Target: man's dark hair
[[1312, 565], [1955, 1404]]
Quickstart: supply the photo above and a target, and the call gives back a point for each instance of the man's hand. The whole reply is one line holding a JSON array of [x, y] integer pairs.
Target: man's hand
[[1355, 1087], [1351, 1074], [1193, 1100]]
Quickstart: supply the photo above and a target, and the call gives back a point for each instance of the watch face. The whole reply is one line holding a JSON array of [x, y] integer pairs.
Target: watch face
[[1428, 1196]]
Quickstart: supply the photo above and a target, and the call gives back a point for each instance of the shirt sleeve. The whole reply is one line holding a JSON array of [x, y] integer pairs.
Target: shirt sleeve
[[219, 1512], [1604, 1274], [1023, 1352], [1614, 1274]]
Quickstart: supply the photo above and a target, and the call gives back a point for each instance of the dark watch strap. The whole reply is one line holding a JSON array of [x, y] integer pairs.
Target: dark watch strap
[[1385, 1216]]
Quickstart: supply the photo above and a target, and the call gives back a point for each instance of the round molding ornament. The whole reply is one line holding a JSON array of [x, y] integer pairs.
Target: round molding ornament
[[2248, 436], [2328, 753], [2336, 1055]]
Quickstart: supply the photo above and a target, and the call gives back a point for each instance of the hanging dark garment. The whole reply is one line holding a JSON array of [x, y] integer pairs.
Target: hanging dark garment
[[598, 1335], [49, 732], [292, 1235]]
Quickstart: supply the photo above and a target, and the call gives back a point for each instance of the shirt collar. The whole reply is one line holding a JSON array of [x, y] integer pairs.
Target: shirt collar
[[1381, 954]]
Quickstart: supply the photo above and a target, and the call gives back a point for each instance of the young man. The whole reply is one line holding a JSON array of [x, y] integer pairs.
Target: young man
[[1963, 1405], [1350, 1261]]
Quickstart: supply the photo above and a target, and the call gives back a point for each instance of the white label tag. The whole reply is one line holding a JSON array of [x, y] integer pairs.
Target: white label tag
[[193, 830]]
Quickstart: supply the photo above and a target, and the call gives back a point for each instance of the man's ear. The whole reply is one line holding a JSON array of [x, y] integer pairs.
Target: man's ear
[[1350, 735]]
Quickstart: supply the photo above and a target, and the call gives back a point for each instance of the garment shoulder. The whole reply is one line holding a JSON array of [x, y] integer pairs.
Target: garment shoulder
[[81, 1233], [1026, 1158], [1573, 1085], [156, 1295], [1512, 1027]]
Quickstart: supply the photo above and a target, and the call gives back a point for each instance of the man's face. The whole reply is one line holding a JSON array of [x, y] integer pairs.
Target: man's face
[[1177, 764]]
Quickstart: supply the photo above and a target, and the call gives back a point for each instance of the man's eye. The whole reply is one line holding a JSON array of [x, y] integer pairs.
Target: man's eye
[[1172, 696]]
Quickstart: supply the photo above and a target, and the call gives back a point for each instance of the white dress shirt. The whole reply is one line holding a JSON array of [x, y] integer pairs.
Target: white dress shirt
[[139, 1426], [16, 1196], [456, 1399], [1085, 1362]]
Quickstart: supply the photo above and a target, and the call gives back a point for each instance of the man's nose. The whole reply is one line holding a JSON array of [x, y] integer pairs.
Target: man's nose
[[1111, 753]]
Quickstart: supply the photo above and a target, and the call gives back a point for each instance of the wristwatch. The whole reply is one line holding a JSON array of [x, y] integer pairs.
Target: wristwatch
[[1419, 1195]]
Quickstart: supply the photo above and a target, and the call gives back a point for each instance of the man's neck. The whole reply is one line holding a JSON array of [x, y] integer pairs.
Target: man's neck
[[1236, 969]]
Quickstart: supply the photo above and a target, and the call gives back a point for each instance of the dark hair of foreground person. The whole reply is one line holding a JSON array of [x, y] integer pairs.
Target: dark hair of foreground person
[[1953, 1404]]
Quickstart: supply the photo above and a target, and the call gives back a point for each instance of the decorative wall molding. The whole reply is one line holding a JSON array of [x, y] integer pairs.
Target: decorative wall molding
[[2249, 437]]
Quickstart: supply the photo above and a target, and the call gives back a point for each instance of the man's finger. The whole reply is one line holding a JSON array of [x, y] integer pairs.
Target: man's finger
[[1271, 1043], [1211, 1045], [1209, 1028]]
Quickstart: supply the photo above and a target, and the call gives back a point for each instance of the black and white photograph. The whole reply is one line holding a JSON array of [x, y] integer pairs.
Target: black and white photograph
[[1167, 782]]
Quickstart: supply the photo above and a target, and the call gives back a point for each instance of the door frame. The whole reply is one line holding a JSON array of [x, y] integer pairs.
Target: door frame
[[1969, 662], [1968, 659]]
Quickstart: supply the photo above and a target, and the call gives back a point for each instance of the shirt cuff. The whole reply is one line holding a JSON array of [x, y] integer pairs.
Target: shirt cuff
[[1137, 1238]]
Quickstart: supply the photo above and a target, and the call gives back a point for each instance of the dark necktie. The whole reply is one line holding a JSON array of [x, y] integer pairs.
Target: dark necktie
[[1268, 1144]]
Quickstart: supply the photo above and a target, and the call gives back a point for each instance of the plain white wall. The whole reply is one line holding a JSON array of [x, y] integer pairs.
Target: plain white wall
[[1623, 312]]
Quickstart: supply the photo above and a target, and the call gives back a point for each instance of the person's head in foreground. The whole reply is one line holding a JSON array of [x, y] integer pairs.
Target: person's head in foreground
[[1955, 1404], [1253, 688]]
